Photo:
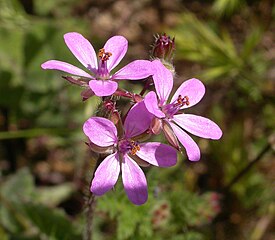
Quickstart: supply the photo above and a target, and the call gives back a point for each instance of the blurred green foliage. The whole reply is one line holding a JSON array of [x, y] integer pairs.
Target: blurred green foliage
[[43, 158]]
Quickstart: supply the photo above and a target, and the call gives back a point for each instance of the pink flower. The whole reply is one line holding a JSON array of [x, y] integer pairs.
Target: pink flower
[[187, 95], [103, 133], [102, 82]]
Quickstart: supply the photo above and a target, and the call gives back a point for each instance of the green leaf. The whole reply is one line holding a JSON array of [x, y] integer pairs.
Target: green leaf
[[3, 234], [52, 196], [51, 222], [227, 7], [18, 187], [251, 42]]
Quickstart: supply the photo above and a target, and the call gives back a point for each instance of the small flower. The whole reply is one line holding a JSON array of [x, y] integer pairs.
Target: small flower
[[103, 133], [101, 81], [173, 122]]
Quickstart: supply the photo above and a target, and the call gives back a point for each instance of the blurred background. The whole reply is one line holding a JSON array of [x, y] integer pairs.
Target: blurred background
[[45, 166]]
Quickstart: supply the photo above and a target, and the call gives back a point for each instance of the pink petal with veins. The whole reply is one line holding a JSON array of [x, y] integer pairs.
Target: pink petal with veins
[[138, 120], [199, 126], [157, 154], [192, 149], [151, 103], [65, 67], [134, 181], [135, 70], [100, 131], [82, 49], [117, 46], [106, 175], [163, 80], [103, 87], [193, 89]]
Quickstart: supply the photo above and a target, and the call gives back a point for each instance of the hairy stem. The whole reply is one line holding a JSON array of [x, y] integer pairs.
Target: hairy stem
[[90, 206], [89, 217]]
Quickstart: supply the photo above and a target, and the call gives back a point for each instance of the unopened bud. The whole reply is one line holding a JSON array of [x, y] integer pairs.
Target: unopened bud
[[79, 81], [102, 150], [164, 47], [111, 111], [156, 126], [137, 98], [170, 136], [87, 93]]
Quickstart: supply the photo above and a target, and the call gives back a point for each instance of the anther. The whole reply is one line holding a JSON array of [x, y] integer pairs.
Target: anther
[[104, 56], [181, 101], [135, 147]]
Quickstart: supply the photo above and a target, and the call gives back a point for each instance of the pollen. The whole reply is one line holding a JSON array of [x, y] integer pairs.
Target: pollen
[[135, 147], [104, 56]]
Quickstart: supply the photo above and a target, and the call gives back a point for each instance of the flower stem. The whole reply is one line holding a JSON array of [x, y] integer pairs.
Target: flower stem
[[122, 93], [89, 217], [90, 206]]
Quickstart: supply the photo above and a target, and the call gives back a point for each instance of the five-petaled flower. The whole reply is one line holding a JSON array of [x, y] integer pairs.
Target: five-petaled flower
[[171, 121], [103, 133], [102, 82]]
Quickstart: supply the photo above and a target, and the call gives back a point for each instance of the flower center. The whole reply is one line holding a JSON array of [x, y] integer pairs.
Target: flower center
[[171, 109], [103, 72], [128, 145]]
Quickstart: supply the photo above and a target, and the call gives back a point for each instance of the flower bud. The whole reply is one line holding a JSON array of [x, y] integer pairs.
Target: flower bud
[[170, 136], [80, 81], [156, 126], [87, 93], [164, 47], [112, 113], [102, 150]]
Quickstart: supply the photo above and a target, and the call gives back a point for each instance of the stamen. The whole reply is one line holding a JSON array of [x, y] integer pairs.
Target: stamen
[[181, 101], [104, 56], [135, 147]]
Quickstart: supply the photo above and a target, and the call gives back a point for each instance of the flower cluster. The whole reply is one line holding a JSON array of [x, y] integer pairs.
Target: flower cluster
[[123, 140]]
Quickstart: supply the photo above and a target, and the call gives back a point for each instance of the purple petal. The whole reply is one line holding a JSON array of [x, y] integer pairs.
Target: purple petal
[[158, 154], [137, 121], [192, 149], [106, 175], [163, 80], [100, 131], [103, 87], [134, 181], [135, 70], [82, 50], [199, 126], [65, 67], [117, 46], [151, 103], [193, 89]]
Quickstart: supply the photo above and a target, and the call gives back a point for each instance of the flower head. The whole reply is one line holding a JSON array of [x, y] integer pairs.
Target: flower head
[[102, 132], [173, 122], [100, 65]]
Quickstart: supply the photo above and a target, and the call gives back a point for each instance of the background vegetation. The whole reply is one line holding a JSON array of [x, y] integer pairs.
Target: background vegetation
[[45, 166]]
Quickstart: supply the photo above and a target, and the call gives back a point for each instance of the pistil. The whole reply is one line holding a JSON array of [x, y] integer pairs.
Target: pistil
[[103, 72], [171, 109]]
